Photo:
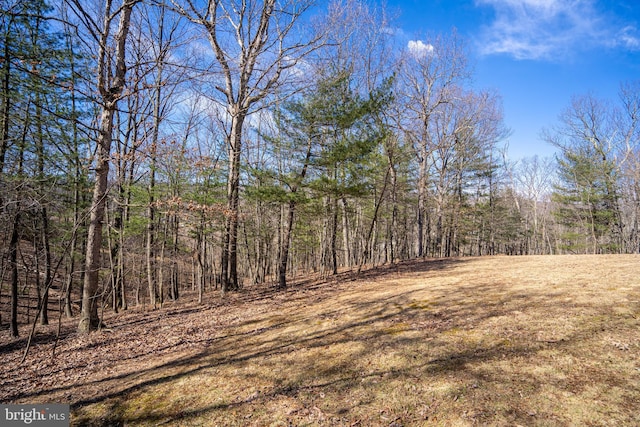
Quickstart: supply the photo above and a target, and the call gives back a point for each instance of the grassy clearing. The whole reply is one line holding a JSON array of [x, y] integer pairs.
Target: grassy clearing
[[480, 341]]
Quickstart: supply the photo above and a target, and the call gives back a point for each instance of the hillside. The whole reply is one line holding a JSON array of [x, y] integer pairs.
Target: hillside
[[539, 340]]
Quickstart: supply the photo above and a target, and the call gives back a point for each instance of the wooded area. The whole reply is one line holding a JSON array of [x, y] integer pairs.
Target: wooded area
[[149, 148]]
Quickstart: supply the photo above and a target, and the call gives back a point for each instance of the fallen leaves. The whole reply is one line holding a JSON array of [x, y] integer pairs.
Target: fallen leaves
[[496, 340]]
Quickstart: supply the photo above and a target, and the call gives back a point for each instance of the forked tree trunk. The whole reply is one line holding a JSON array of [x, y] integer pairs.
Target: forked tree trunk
[[110, 93]]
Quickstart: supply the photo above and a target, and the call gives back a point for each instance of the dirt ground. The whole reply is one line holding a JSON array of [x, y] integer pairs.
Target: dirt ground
[[503, 341]]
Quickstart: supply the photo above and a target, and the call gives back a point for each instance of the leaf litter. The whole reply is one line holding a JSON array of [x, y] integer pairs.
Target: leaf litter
[[548, 340]]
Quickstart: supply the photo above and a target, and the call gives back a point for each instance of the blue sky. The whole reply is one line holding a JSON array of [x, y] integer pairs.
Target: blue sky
[[536, 53]]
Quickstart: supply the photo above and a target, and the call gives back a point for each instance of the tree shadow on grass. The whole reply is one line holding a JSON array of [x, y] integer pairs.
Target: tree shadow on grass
[[425, 336], [369, 329], [417, 369]]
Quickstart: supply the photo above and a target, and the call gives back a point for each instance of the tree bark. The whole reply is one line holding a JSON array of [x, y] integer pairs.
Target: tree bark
[[230, 250], [286, 243], [44, 317], [248, 41], [367, 253], [89, 316], [6, 110], [110, 93], [13, 261]]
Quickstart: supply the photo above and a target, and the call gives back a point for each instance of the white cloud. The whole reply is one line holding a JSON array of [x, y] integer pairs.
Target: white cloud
[[629, 38], [541, 29], [393, 31], [419, 49]]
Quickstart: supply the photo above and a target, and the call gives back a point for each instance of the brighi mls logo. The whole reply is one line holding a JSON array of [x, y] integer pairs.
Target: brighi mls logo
[[54, 415]]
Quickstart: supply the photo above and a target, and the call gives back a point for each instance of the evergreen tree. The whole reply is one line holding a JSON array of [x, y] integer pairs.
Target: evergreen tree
[[587, 206], [35, 119], [587, 189], [325, 141]]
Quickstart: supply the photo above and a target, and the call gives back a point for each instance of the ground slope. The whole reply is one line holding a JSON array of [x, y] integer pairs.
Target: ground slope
[[546, 340]]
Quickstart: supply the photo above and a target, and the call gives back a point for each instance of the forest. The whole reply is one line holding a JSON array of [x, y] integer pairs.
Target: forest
[[153, 148]]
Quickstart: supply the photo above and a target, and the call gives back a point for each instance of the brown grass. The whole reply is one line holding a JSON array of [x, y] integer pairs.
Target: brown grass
[[504, 341]]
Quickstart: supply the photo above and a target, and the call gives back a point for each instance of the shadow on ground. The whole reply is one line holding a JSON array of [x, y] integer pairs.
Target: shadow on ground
[[399, 344]]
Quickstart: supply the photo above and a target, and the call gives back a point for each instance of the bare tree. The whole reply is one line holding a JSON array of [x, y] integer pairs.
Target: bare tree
[[533, 181], [254, 46], [588, 171], [111, 71], [159, 36], [628, 124], [429, 73]]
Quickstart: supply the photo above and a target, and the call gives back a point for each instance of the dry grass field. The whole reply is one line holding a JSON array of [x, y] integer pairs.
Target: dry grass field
[[500, 341]]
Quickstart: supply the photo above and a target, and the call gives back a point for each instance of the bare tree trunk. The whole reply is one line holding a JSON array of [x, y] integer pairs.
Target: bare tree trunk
[[230, 250], [161, 269], [367, 253], [327, 232], [119, 289], [334, 236], [44, 318], [6, 110], [69, 281], [89, 315], [149, 250], [15, 234], [202, 259], [286, 243], [77, 168], [259, 32], [288, 231], [393, 238], [13, 261], [346, 241], [110, 93], [422, 204], [151, 210], [175, 284], [254, 274]]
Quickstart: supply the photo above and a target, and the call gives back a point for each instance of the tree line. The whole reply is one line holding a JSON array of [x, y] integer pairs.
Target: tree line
[[149, 148]]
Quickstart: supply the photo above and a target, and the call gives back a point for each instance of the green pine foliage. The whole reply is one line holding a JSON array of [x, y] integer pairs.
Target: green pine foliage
[[587, 202]]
